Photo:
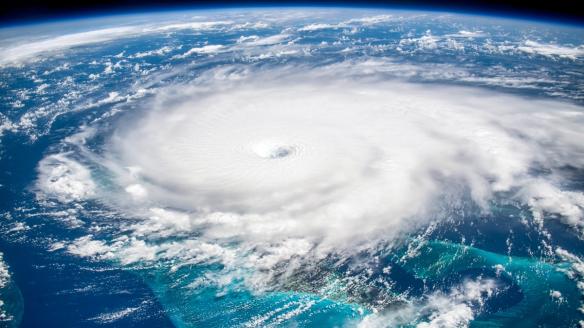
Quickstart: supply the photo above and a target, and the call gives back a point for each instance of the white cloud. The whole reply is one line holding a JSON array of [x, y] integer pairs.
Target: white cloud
[[110, 317], [4, 273], [266, 41], [320, 184], [363, 21], [427, 41], [455, 309], [157, 52], [282, 155], [552, 50], [64, 179], [87, 247], [4, 280], [316, 27], [543, 197], [468, 34], [15, 54], [207, 49], [204, 26], [22, 52], [370, 20], [137, 191]]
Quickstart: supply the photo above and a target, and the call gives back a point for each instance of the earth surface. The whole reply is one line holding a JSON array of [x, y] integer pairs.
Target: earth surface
[[292, 167]]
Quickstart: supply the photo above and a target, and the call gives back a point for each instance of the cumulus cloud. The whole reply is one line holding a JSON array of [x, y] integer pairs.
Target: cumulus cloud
[[4, 281], [64, 179], [206, 49], [157, 52], [552, 50], [427, 41], [457, 308]]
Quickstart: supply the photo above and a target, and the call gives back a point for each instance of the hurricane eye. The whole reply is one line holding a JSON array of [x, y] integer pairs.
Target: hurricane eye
[[273, 151]]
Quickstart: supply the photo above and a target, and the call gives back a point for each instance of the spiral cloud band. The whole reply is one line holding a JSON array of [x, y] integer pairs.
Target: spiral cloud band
[[268, 156]]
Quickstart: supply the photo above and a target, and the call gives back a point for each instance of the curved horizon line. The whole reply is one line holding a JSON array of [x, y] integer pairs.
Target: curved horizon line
[[123, 10]]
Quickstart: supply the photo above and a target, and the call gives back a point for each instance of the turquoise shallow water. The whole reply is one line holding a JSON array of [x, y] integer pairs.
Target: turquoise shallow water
[[528, 283], [522, 297]]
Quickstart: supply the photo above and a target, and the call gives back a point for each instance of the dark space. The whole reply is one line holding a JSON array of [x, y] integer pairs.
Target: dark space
[[14, 12]]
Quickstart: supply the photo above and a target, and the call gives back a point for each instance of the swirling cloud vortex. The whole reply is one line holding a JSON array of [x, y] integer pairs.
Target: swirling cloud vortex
[[271, 156]]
